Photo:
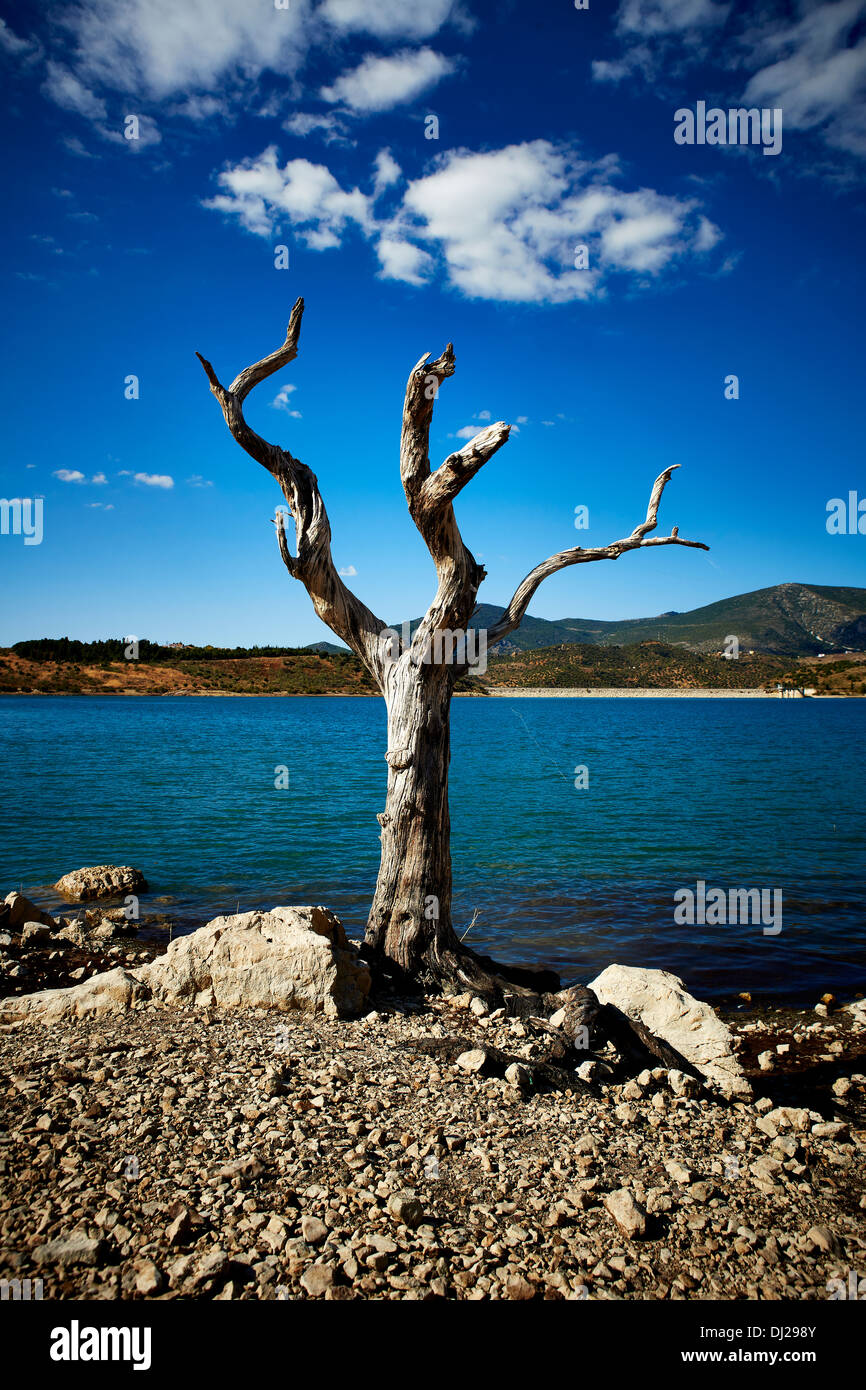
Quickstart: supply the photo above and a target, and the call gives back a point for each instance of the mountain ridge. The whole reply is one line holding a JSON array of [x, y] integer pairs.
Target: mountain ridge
[[789, 619]]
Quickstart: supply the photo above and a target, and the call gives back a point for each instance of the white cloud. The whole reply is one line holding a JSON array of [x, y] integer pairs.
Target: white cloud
[[348, 571], [387, 169], [147, 133], [260, 194], [159, 48], [467, 432], [67, 91], [99, 478], [707, 235], [281, 401], [154, 480], [21, 49], [389, 19], [379, 83], [102, 506], [75, 146], [649, 17], [201, 108], [327, 124], [659, 36], [815, 70], [64, 88], [484, 415], [812, 66], [69, 475], [198, 481], [400, 260], [505, 223]]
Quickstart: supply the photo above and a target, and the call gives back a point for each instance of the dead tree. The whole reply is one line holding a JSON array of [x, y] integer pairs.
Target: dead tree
[[410, 918]]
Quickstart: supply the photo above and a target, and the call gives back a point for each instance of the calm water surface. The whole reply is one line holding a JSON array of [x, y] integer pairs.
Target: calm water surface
[[739, 793]]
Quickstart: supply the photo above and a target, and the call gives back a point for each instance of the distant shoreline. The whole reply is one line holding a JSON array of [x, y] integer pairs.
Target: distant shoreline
[[646, 692], [497, 692]]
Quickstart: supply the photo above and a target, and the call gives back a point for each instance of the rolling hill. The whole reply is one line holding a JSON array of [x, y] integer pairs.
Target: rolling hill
[[788, 620]]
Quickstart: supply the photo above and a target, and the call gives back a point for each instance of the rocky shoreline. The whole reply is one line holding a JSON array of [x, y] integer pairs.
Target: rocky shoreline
[[426, 1149]]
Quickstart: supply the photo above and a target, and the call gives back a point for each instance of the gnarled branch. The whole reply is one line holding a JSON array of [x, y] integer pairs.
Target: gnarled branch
[[422, 389], [460, 468], [313, 564], [516, 610], [430, 496]]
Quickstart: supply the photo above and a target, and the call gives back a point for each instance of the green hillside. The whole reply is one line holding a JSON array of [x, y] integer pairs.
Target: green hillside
[[643, 666], [785, 620]]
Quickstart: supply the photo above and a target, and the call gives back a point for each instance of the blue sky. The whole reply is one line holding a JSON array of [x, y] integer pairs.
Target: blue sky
[[307, 127]]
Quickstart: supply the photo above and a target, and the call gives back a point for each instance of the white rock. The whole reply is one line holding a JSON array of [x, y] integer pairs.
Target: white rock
[[35, 931], [472, 1061], [101, 881], [77, 1249], [628, 1214], [148, 1279], [831, 1129], [661, 1003], [682, 1084], [822, 1238], [678, 1172], [591, 1070], [790, 1117], [317, 1279], [291, 958], [857, 1008]]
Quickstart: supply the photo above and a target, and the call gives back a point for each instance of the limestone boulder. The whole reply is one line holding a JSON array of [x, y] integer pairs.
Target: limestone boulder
[[291, 958], [101, 881], [664, 1006], [18, 910], [111, 992]]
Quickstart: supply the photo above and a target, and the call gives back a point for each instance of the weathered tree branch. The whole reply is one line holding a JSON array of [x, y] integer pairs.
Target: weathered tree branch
[[460, 468], [422, 389], [430, 496], [516, 609], [313, 564]]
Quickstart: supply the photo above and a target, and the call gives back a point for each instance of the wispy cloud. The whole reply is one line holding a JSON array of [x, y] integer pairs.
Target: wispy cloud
[[282, 401]]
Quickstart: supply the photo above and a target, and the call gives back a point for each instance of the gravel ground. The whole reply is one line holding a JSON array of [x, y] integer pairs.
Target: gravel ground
[[252, 1155]]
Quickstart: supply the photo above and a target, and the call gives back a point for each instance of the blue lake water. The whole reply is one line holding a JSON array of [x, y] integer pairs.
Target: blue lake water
[[737, 793]]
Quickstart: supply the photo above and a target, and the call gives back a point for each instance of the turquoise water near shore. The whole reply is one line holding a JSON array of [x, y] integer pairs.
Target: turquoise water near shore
[[740, 794]]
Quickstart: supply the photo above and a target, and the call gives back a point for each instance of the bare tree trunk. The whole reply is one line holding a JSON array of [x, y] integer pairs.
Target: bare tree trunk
[[410, 919]]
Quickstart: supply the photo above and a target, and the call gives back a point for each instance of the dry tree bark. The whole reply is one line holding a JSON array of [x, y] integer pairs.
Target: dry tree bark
[[410, 924]]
